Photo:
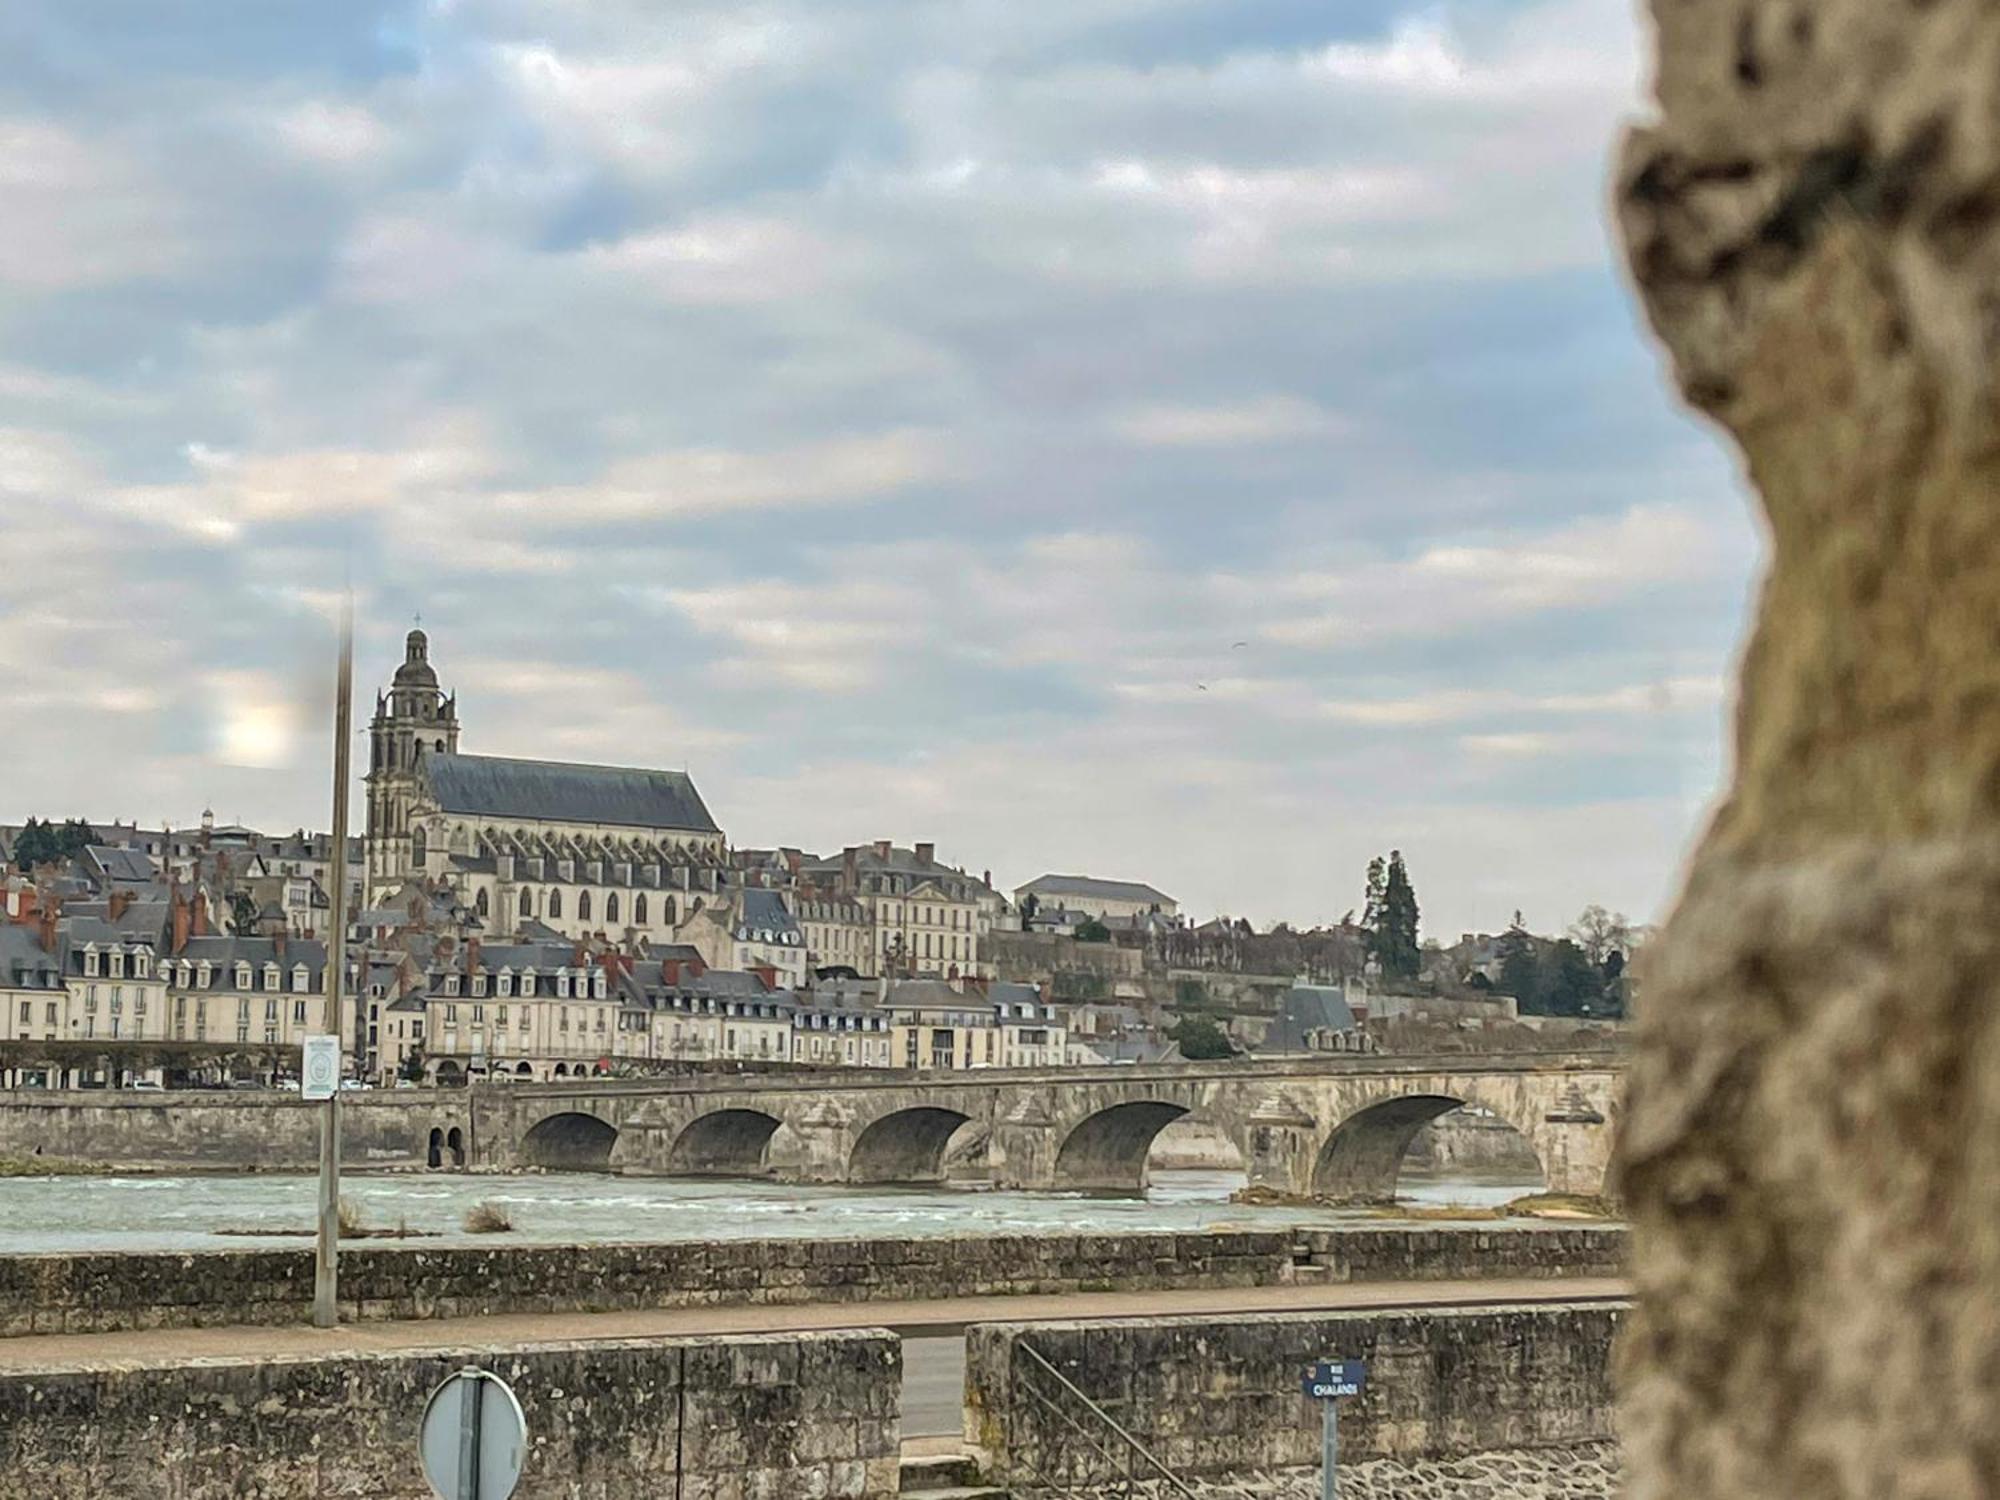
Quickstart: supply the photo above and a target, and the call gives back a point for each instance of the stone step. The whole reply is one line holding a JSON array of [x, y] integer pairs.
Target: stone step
[[945, 1477]]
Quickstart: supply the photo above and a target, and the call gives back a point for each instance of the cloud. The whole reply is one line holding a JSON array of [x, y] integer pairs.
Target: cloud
[[78, 214], [1260, 420], [1206, 443]]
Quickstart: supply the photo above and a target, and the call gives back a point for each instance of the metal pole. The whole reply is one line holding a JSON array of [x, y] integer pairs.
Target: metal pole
[[471, 1413], [1329, 1451], [326, 1268]]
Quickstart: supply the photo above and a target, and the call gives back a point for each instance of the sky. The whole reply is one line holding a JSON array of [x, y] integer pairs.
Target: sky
[[1206, 442]]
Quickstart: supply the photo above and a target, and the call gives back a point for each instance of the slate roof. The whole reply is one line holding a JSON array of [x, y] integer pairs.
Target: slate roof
[[1060, 886], [23, 964], [494, 786], [763, 917], [1308, 1008]]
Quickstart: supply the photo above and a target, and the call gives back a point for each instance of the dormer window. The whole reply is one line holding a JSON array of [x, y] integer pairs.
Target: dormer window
[[243, 976], [270, 976], [90, 961], [562, 985], [528, 982], [451, 984], [117, 963], [204, 975], [597, 984], [300, 979], [479, 984], [505, 983]]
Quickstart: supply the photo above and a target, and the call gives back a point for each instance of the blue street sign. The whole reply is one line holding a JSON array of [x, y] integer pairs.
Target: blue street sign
[[1331, 1379]]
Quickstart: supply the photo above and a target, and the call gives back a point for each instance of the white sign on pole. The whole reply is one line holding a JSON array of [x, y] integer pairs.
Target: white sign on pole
[[474, 1440], [319, 1067]]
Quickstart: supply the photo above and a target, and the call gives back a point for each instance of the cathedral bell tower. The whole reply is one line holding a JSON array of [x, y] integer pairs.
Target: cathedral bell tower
[[413, 719]]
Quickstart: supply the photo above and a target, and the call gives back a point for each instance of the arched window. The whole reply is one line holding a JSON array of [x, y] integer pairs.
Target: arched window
[[527, 903], [555, 905], [419, 844], [611, 908], [672, 915], [583, 907], [639, 909], [480, 905]]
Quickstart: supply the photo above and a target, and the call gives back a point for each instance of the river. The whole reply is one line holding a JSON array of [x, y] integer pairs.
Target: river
[[189, 1213]]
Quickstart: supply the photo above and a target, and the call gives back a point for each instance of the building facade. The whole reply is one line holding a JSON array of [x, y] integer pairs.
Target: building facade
[[579, 849]]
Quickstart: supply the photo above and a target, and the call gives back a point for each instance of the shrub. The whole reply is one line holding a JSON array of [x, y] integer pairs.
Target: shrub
[[487, 1217]]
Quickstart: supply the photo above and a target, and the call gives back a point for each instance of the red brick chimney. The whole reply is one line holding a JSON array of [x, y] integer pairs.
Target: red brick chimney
[[182, 916], [850, 870], [200, 917], [926, 854], [766, 975], [119, 902], [794, 861], [882, 848], [48, 925]]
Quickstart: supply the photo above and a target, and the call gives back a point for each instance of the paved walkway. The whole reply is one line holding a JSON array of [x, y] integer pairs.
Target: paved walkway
[[943, 1316]]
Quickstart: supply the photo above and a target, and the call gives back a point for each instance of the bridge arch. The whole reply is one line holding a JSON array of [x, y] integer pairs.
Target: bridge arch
[[727, 1143], [1363, 1157], [570, 1142], [1107, 1150], [906, 1145]]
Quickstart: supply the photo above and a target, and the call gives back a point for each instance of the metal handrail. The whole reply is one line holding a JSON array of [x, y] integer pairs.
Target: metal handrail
[[1135, 1452]]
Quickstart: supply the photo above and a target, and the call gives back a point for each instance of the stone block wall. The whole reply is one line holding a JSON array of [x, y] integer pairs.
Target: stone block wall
[[1221, 1396], [96, 1293], [753, 1418]]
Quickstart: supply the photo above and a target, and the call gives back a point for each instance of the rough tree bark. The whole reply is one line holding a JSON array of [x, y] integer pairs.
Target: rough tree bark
[[1811, 1149]]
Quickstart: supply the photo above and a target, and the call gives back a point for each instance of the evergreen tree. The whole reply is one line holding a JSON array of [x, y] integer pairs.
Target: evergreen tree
[[1571, 984], [1520, 974], [1371, 906], [1201, 1039], [1399, 951]]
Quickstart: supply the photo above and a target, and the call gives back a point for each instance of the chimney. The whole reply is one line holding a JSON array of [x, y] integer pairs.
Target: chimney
[[119, 903], [278, 942], [926, 854], [766, 975], [200, 917], [182, 916], [48, 923], [794, 861], [850, 870], [472, 954]]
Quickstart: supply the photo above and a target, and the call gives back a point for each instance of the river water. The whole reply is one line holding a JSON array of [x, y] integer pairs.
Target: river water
[[190, 1213]]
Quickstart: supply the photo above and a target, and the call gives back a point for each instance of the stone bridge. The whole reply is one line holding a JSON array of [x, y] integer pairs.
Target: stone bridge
[[1337, 1125]]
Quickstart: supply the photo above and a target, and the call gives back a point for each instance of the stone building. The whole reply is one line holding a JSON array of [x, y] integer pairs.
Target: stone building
[[582, 849], [1105, 900], [924, 917]]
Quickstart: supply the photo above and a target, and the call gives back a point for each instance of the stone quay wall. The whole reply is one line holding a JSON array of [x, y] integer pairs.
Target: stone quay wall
[[92, 1293], [752, 1418], [1220, 1397]]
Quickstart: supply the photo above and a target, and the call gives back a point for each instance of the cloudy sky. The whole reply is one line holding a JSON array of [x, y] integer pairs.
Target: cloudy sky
[[1203, 441]]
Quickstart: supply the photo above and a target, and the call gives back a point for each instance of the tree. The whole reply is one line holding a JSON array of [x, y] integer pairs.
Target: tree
[[1392, 905], [1092, 931], [45, 842], [1371, 905], [1571, 984], [1201, 1039], [1030, 904], [1600, 933], [1520, 974], [242, 912]]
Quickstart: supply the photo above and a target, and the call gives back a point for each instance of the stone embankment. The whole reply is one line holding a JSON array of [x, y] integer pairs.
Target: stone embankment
[[798, 1415], [100, 1293], [1588, 1471], [1216, 1397]]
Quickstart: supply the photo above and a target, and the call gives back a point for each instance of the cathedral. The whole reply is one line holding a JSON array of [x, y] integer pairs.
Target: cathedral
[[579, 849]]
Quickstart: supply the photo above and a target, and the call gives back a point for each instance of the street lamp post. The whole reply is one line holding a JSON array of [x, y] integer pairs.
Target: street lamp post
[[326, 1267]]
